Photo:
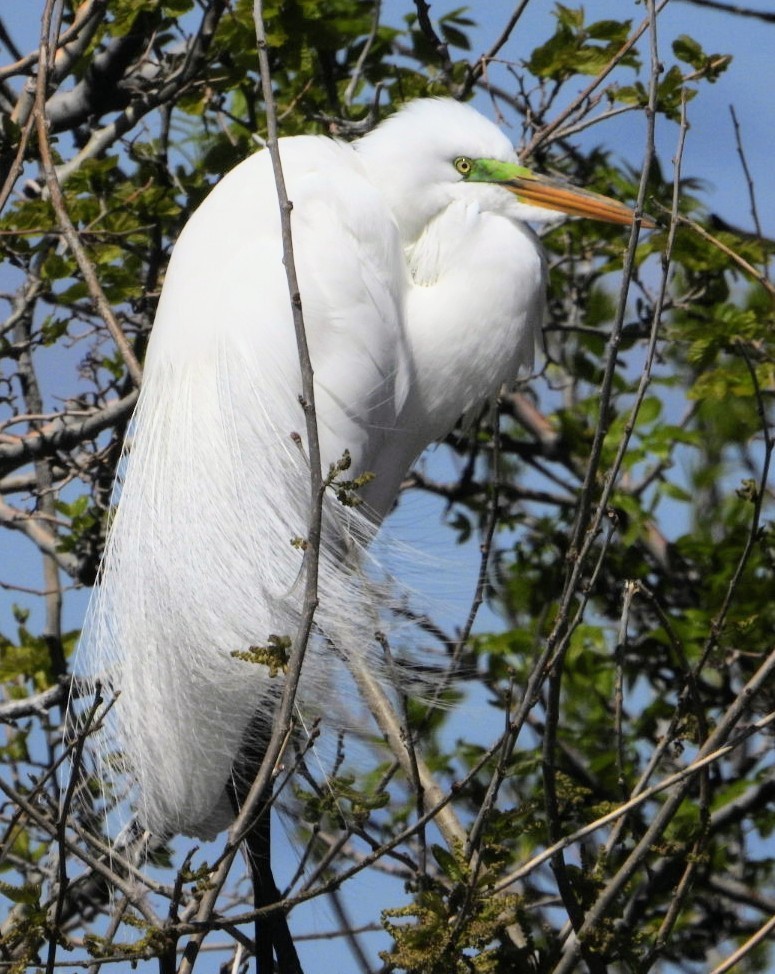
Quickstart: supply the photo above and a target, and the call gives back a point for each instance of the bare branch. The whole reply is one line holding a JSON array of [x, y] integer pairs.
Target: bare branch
[[40, 536], [680, 777], [71, 234], [543, 134], [734, 959], [736, 9], [480, 66], [438, 45], [63, 433]]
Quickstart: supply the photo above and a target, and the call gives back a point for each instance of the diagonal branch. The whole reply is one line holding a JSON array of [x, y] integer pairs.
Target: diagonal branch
[[68, 229], [543, 134], [63, 433], [479, 68], [40, 536], [734, 8]]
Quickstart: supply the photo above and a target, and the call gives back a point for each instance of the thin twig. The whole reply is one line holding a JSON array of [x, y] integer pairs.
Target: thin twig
[[741, 262], [16, 167], [588, 522], [752, 539], [748, 180], [68, 229], [41, 537], [284, 713], [438, 45], [476, 72], [61, 831], [734, 959], [357, 71], [630, 588], [543, 134], [135, 895], [736, 9], [91, 10], [682, 776]]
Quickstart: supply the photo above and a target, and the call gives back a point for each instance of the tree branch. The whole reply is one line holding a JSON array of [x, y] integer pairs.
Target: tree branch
[[63, 433], [69, 231]]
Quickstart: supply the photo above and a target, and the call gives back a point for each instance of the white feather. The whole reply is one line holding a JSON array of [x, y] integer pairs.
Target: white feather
[[421, 295]]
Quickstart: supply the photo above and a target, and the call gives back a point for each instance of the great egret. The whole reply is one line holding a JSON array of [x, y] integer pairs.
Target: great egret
[[422, 290]]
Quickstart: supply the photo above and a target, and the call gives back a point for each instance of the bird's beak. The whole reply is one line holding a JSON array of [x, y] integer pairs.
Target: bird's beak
[[555, 194]]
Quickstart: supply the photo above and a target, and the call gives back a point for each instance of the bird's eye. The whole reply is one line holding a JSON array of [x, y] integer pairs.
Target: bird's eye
[[463, 165]]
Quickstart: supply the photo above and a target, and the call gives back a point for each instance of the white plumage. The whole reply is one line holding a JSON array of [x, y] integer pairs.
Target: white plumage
[[422, 292]]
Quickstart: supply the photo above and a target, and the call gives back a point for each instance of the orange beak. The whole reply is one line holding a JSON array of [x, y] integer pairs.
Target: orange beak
[[548, 193], [554, 194]]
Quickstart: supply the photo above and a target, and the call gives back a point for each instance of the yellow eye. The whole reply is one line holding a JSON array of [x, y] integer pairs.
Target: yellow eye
[[463, 165]]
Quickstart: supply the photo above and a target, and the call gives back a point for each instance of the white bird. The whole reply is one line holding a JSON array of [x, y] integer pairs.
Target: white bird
[[422, 290]]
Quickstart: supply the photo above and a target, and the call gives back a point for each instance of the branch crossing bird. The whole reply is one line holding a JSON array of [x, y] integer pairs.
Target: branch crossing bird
[[422, 289]]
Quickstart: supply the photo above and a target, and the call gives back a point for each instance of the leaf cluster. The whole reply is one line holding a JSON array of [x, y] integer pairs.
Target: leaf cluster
[[624, 499]]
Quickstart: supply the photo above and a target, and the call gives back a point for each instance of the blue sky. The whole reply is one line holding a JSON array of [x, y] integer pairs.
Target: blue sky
[[711, 155], [710, 152]]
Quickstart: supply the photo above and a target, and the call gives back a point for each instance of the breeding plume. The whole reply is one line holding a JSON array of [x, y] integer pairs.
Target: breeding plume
[[422, 290]]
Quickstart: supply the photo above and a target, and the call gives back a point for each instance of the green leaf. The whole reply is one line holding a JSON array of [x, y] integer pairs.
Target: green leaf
[[687, 49], [447, 863], [26, 895]]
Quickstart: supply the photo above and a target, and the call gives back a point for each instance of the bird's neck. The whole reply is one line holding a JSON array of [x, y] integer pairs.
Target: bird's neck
[[467, 338]]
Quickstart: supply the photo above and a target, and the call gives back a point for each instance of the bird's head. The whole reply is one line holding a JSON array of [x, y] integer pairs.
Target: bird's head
[[435, 151]]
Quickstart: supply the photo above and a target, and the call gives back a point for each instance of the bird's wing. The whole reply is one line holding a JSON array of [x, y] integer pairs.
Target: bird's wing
[[192, 576], [227, 281]]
